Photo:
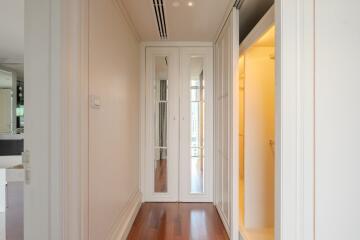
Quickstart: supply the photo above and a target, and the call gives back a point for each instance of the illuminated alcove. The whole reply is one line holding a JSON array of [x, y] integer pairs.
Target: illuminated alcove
[[257, 133]]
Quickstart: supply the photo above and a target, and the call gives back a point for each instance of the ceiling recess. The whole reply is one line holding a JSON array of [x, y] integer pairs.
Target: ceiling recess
[[160, 18]]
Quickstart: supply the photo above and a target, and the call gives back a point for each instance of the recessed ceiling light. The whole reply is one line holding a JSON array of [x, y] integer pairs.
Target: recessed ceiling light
[[190, 4], [176, 4]]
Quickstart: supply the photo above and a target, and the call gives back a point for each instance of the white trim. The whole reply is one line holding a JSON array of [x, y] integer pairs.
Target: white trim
[[265, 23], [235, 121], [142, 121], [223, 220], [295, 117], [224, 20], [75, 118], [123, 226]]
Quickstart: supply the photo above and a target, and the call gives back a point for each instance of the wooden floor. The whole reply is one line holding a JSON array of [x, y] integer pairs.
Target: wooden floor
[[175, 221]]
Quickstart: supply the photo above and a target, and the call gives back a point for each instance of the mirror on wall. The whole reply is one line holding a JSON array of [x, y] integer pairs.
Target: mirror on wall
[[11, 99]]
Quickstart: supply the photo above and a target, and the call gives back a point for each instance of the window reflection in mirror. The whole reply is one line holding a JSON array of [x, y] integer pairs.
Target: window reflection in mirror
[[161, 110]]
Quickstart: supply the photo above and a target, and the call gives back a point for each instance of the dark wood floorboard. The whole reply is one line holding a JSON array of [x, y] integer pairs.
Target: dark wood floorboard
[[161, 176], [177, 221]]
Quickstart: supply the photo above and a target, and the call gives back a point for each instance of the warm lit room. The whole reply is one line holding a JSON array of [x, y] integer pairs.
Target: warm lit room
[[257, 133]]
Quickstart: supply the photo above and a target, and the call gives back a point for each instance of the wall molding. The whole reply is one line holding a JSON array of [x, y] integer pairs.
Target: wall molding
[[295, 117], [126, 218]]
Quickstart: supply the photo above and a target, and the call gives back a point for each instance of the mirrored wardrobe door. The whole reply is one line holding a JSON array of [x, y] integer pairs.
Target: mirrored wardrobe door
[[162, 106], [196, 126]]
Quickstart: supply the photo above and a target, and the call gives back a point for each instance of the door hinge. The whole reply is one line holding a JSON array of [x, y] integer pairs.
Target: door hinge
[[26, 165]]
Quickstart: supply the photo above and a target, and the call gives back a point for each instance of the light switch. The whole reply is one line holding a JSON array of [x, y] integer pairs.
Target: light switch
[[95, 102]]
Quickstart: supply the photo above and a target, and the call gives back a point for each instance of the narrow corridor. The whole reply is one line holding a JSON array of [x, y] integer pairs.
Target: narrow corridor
[[177, 221]]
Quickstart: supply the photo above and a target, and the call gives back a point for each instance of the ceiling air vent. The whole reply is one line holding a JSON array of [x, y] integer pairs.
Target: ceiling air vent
[[160, 18], [238, 3]]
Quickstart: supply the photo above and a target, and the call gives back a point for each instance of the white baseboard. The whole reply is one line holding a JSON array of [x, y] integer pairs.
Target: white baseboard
[[223, 219], [123, 227]]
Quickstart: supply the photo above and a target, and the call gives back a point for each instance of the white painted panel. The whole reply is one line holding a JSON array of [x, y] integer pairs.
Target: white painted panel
[[114, 123], [37, 125], [337, 118], [226, 115]]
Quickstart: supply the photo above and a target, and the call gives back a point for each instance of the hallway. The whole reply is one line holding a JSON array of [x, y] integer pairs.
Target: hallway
[[177, 221]]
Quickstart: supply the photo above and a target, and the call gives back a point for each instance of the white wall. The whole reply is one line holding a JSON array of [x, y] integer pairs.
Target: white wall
[[259, 130], [114, 127], [337, 120]]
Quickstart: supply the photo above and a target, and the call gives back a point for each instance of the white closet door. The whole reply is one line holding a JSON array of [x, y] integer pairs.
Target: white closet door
[[226, 113], [162, 131], [196, 125]]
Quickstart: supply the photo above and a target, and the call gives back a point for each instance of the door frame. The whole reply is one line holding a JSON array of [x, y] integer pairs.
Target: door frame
[[56, 120], [143, 100], [295, 105]]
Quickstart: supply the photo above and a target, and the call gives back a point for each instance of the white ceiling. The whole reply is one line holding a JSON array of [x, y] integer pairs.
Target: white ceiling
[[197, 23], [11, 29]]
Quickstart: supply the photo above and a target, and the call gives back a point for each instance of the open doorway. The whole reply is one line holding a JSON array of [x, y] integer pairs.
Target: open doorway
[[11, 119], [257, 134]]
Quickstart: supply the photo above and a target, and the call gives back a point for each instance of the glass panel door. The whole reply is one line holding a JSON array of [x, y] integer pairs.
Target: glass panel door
[[196, 125], [179, 108], [162, 130]]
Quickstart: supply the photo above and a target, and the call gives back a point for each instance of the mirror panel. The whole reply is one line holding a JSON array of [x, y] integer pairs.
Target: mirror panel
[[197, 124], [161, 123]]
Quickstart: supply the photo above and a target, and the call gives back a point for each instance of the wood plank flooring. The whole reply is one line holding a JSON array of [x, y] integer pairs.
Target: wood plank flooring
[[177, 221]]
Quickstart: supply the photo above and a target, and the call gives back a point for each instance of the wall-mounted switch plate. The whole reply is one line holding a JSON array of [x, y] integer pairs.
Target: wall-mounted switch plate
[[95, 102]]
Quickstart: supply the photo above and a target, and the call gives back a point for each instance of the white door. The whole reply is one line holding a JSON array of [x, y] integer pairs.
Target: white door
[[196, 135], [178, 164], [162, 130]]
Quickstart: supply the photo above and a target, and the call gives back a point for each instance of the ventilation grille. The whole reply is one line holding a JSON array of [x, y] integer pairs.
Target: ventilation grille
[[160, 18], [238, 3]]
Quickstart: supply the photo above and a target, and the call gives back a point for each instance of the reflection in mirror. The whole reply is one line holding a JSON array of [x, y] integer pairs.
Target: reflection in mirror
[[11, 99], [197, 101], [7, 101], [161, 107]]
